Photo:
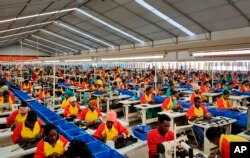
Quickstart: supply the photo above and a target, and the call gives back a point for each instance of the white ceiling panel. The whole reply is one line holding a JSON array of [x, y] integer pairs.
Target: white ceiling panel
[[134, 22], [147, 29], [34, 9], [102, 6], [135, 7], [119, 14], [12, 12], [85, 26], [243, 5], [158, 35]]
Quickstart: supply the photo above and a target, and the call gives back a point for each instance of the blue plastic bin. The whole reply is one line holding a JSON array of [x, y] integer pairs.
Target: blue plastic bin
[[231, 114], [142, 136], [59, 122], [97, 147], [85, 138], [215, 112], [64, 127], [108, 154], [70, 134], [54, 118]]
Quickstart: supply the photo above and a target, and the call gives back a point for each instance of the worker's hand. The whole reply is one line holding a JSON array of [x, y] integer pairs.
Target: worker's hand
[[234, 107], [117, 137], [208, 116]]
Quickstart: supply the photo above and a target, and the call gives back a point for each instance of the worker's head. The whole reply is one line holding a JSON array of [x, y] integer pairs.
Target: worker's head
[[92, 103], [72, 101], [78, 149], [68, 93], [163, 124], [31, 119], [148, 90], [174, 94], [6, 96], [111, 118], [213, 134], [206, 83], [197, 101], [245, 82], [114, 85], [226, 94], [1, 93], [98, 77], [50, 133], [231, 85], [23, 108], [196, 88], [26, 82]]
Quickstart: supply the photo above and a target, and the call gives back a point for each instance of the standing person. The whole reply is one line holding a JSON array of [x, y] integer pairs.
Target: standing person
[[52, 145], [159, 135]]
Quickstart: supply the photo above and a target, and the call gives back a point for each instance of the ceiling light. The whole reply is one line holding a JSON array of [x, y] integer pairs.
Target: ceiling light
[[38, 37], [18, 28], [18, 34], [108, 25], [225, 53], [37, 48], [164, 17], [37, 15], [86, 60], [36, 62], [52, 61], [39, 44], [84, 34], [66, 39], [133, 58]]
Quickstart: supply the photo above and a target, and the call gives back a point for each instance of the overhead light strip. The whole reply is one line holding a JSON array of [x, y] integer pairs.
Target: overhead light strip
[[108, 25], [235, 52], [36, 15], [24, 27], [84, 34], [19, 33], [164, 17], [78, 60], [133, 58], [46, 40], [39, 44], [37, 48], [66, 39], [52, 61]]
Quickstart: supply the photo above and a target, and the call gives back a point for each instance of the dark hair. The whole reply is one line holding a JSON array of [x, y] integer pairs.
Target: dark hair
[[196, 99], [31, 117], [226, 92], [214, 132], [5, 93], [174, 92], [231, 83], [78, 149], [163, 117], [148, 88], [48, 127], [23, 104], [205, 82], [115, 83]]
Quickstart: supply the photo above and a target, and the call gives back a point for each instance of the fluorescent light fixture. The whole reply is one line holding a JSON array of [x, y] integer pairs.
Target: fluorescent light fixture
[[164, 17], [37, 15], [24, 27], [78, 60], [46, 40], [108, 25], [39, 44], [19, 33], [52, 61], [29, 45], [36, 62], [84, 34], [133, 58], [231, 52], [66, 39]]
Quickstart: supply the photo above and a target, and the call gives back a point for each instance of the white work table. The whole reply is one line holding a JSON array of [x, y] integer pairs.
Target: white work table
[[4, 133], [126, 105], [132, 148], [5, 113], [189, 93], [236, 99], [143, 108], [6, 152], [242, 134], [210, 96], [2, 120], [119, 97]]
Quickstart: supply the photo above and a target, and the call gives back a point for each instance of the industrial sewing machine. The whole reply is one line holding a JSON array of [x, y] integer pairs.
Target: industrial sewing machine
[[178, 148]]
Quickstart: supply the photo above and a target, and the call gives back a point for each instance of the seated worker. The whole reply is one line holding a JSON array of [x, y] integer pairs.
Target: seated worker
[[159, 135], [196, 93], [111, 129], [90, 115], [217, 136], [198, 112], [229, 87], [99, 88], [205, 88], [170, 102], [43, 94], [244, 86], [78, 149], [6, 99], [80, 82], [223, 102], [26, 86], [122, 85], [28, 130], [99, 81], [91, 87], [52, 145], [169, 90], [67, 94], [18, 116], [113, 88], [72, 109]]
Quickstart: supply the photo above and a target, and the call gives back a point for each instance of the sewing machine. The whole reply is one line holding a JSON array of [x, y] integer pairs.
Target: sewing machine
[[178, 148]]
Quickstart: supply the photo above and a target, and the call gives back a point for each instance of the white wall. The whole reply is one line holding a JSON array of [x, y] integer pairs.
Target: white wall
[[16, 50]]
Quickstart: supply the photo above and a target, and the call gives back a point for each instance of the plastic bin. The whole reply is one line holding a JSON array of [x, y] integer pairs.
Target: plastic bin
[[85, 138], [59, 122], [215, 111], [97, 147], [243, 117], [70, 134], [231, 114], [54, 118], [64, 127], [142, 136], [108, 154]]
